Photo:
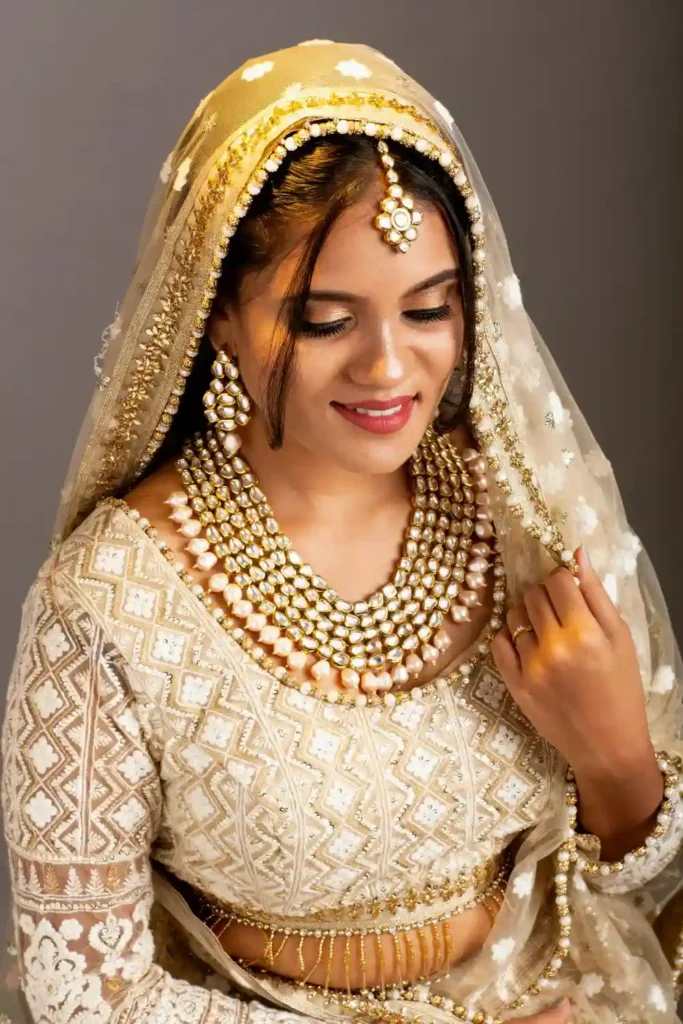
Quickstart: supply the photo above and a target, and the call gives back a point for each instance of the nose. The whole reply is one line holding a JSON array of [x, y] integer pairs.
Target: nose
[[380, 361]]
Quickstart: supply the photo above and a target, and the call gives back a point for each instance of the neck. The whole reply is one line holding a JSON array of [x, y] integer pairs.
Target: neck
[[300, 484]]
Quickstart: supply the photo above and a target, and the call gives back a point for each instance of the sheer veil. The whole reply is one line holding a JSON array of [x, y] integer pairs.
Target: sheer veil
[[552, 487]]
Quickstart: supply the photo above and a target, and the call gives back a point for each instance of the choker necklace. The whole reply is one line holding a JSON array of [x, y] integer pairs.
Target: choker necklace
[[368, 646]]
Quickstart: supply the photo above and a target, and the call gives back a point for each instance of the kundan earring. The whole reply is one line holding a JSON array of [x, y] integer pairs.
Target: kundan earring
[[226, 403]]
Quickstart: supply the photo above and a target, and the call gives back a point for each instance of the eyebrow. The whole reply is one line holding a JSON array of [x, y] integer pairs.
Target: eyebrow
[[452, 274]]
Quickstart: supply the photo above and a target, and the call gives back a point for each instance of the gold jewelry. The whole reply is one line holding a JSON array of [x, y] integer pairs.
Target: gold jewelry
[[226, 404], [398, 219], [371, 644], [521, 629]]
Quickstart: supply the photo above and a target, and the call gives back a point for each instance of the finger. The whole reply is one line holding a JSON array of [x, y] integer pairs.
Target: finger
[[506, 657], [540, 610], [526, 643], [566, 598], [596, 597]]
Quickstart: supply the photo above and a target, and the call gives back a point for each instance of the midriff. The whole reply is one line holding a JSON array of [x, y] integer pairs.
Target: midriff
[[352, 962]]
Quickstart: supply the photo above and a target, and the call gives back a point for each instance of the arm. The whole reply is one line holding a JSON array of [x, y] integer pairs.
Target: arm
[[82, 801]]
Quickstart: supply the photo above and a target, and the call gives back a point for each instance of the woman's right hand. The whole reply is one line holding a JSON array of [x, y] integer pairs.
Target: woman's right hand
[[554, 1015]]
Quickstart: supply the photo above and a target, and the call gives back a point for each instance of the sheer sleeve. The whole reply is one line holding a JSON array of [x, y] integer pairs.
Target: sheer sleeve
[[82, 802]]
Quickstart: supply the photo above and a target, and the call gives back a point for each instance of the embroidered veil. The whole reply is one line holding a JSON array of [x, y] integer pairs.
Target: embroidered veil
[[552, 488]]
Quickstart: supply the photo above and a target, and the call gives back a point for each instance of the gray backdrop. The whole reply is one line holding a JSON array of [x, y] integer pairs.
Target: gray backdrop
[[572, 110]]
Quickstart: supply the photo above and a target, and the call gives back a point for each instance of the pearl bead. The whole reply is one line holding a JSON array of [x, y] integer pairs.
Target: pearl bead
[[442, 640], [269, 635], [177, 499], [399, 674], [414, 664], [192, 528], [296, 660], [232, 593], [384, 682], [181, 514], [350, 679], [389, 699], [205, 561], [368, 682], [198, 546], [430, 654], [320, 670], [243, 609], [283, 647], [218, 582], [256, 621]]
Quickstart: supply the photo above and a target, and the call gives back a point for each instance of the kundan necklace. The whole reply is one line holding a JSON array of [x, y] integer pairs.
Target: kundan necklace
[[374, 644]]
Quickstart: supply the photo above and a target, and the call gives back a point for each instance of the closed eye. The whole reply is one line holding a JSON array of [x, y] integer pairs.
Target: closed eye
[[333, 327]]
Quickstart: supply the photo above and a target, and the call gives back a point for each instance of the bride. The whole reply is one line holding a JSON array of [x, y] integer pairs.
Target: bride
[[347, 690]]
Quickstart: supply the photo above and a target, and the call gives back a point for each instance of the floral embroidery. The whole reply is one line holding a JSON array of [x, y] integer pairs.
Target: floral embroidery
[[523, 884], [663, 679], [216, 731], [557, 414], [43, 755], [55, 643], [444, 112], [592, 984], [168, 646], [422, 764], [586, 516], [130, 815], [501, 950], [196, 690], [180, 180], [57, 985], [506, 742], [255, 71], [553, 476], [41, 809], [136, 766], [490, 690], [291, 92], [165, 172], [625, 559], [109, 559], [47, 700], [657, 998], [429, 812], [139, 601], [511, 292], [353, 69], [597, 463]]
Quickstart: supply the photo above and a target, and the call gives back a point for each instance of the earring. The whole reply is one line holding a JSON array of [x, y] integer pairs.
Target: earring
[[226, 404]]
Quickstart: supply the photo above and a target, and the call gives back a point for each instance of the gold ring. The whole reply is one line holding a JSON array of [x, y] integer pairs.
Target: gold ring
[[521, 629]]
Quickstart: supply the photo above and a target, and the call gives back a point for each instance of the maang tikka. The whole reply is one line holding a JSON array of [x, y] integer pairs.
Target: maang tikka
[[226, 403], [399, 219]]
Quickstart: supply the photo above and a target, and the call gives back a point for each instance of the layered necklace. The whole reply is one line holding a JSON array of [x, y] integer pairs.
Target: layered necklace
[[366, 647]]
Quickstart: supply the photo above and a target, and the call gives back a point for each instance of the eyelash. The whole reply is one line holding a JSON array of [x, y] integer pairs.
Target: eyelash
[[421, 316]]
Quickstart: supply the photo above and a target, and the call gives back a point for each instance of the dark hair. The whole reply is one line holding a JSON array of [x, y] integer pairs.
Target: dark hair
[[313, 187]]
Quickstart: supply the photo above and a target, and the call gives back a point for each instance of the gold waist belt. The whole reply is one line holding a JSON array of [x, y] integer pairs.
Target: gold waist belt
[[413, 909]]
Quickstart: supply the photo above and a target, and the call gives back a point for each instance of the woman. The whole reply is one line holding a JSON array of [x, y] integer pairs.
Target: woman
[[230, 792]]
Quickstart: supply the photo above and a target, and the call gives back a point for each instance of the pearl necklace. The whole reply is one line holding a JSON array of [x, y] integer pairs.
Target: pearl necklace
[[372, 644]]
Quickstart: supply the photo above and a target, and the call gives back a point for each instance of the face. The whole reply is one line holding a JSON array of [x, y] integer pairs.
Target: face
[[383, 331]]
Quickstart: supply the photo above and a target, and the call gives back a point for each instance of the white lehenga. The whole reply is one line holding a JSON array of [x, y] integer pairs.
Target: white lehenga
[[138, 731]]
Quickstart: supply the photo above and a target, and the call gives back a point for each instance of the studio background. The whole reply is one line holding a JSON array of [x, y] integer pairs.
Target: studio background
[[572, 111]]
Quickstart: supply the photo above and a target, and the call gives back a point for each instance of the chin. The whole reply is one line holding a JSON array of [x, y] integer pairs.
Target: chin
[[373, 455]]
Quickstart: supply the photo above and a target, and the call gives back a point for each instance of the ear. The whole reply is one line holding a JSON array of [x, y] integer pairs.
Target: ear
[[220, 327]]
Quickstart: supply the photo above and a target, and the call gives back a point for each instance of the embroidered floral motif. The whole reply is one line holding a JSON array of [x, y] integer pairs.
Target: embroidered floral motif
[[180, 180], [511, 292], [353, 69], [502, 950], [255, 71], [663, 679], [444, 112], [523, 884]]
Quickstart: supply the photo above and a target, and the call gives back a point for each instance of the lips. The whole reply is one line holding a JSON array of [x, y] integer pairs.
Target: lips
[[378, 416]]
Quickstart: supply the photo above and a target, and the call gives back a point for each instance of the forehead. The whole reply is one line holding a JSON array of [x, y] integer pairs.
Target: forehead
[[356, 258]]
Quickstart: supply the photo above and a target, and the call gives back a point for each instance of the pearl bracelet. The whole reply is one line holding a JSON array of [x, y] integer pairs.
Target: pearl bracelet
[[671, 770]]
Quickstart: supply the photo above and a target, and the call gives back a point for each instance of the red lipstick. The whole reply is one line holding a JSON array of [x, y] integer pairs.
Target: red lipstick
[[378, 416]]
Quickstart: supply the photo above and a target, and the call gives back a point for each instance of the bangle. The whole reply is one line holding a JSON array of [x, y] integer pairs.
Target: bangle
[[670, 766]]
